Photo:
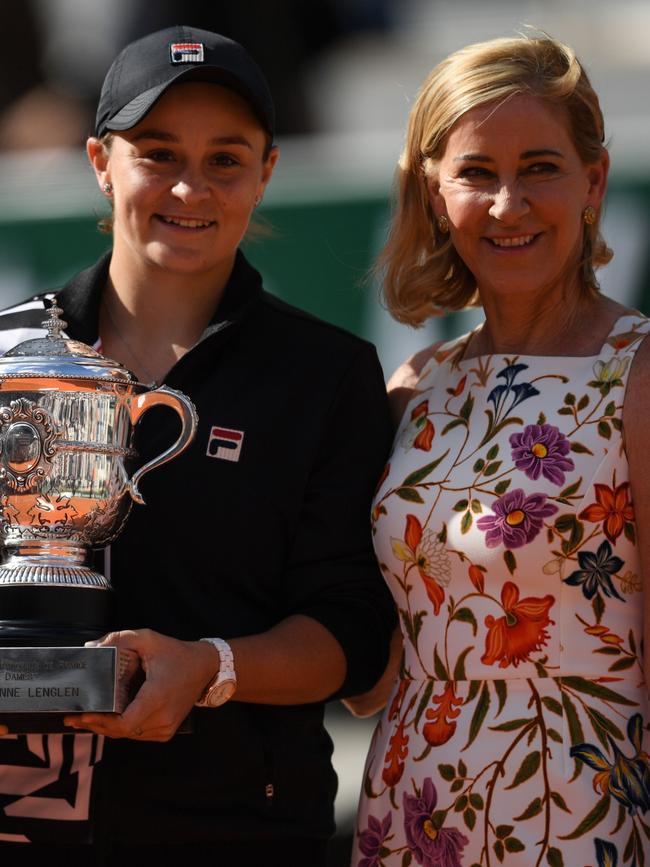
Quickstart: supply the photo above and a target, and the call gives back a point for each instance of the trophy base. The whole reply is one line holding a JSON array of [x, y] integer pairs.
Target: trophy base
[[40, 685]]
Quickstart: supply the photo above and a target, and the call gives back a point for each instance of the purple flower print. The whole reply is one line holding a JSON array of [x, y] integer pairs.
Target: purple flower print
[[541, 448], [430, 846], [372, 839], [517, 519]]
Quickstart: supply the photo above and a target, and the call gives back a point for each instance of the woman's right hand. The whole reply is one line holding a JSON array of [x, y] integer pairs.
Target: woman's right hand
[[176, 672]]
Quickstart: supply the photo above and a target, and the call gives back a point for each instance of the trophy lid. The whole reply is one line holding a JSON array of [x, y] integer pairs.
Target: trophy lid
[[57, 357]]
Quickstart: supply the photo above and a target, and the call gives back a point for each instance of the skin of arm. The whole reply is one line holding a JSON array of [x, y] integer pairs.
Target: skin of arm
[[269, 670], [400, 389], [636, 424]]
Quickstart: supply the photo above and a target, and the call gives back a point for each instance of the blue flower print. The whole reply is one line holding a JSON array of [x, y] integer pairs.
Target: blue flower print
[[595, 572], [606, 853], [627, 779]]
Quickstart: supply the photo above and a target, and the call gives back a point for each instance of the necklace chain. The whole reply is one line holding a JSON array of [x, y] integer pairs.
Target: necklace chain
[[152, 379]]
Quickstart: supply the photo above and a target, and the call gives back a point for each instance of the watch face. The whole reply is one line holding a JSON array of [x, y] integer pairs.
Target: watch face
[[220, 693]]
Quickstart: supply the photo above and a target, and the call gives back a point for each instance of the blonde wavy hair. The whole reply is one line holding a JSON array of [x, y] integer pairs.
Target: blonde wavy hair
[[421, 272]]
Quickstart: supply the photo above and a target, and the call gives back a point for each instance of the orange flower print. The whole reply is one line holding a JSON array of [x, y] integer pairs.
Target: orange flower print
[[396, 704], [613, 507], [443, 717], [460, 387], [419, 432], [422, 549], [477, 576], [513, 637], [397, 753]]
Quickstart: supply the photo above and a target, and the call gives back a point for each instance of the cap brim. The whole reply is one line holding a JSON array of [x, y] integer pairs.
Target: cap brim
[[133, 112]]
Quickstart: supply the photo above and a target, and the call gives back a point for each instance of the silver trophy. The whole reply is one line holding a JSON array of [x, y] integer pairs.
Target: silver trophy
[[67, 416]]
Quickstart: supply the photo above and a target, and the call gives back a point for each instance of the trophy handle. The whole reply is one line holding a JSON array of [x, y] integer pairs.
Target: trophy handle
[[163, 396]]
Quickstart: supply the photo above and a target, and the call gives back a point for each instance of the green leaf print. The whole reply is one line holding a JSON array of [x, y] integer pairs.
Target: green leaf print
[[514, 845], [476, 801], [503, 831], [452, 424], [418, 475], [409, 494], [466, 523], [512, 725], [575, 730], [498, 849], [571, 489], [459, 668], [559, 801], [554, 857], [424, 701], [501, 689], [491, 469], [480, 712], [569, 399], [510, 561], [593, 818], [502, 487], [440, 670], [493, 452], [598, 607], [406, 859], [601, 722], [469, 817], [604, 430], [552, 704], [580, 449], [467, 407], [527, 769], [533, 809], [447, 772], [597, 690], [466, 615]]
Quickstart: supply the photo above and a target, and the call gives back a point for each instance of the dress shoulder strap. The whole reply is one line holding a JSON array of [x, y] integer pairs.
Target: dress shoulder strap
[[625, 336], [620, 346]]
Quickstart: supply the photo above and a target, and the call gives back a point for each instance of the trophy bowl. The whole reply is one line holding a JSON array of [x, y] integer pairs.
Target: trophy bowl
[[67, 417]]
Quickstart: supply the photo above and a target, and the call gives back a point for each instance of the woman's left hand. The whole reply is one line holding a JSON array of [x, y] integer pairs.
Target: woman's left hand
[[176, 672]]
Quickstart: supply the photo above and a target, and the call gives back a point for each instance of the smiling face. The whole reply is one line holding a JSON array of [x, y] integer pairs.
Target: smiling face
[[514, 190], [185, 181]]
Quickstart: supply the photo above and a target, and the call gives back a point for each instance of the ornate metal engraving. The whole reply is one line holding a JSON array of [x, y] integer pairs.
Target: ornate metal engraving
[[27, 435]]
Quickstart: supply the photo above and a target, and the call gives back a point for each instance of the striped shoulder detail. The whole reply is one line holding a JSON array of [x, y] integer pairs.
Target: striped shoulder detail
[[22, 322]]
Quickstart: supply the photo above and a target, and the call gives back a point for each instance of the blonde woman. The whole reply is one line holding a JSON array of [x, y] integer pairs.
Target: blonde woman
[[511, 521]]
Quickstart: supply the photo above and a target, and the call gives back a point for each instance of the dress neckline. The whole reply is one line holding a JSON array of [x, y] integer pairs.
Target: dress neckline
[[454, 350]]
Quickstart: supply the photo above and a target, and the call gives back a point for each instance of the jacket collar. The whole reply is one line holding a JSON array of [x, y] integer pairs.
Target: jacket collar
[[81, 298]]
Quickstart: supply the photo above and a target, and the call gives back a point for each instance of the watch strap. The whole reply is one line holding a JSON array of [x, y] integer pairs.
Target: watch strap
[[225, 674]]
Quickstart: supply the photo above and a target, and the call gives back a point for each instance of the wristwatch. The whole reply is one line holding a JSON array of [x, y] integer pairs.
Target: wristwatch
[[222, 687]]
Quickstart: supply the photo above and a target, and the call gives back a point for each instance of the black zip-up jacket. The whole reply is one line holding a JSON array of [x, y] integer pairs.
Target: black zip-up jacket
[[228, 548]]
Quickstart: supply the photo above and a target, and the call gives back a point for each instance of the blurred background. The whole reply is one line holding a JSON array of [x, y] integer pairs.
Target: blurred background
[[344, 74]]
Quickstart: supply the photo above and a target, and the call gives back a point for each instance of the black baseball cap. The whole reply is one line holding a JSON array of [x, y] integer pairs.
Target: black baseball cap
[[143, 71]]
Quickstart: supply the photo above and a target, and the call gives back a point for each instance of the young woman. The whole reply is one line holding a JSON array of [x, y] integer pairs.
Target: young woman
[[247, 584]]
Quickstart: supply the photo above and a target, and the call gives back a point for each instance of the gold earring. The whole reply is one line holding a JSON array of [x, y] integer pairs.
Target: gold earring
[[589, 215], [443, 225]]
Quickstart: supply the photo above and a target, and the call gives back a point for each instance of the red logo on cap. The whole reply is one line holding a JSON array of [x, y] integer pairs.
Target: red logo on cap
[[186, 52]]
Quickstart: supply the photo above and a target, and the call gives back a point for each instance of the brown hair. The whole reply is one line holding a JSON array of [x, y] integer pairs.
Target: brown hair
[[422, 273]]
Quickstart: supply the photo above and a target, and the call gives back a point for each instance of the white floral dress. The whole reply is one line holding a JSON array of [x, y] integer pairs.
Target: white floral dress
[[517, 732]]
